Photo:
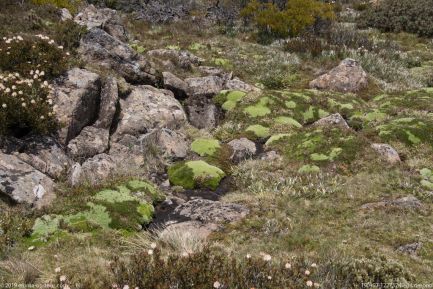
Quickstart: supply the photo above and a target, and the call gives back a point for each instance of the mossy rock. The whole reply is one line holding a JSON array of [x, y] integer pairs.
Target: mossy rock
[[127, 207], [275, 138], [205, 146], [231, 99], [259, 109], [258, 130], [427, 178], [195, 174]]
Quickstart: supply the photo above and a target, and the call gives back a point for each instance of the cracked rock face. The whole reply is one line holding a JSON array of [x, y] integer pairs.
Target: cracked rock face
[[100, 49], [76, 102], [90, 142], [148, 108], [21, 183]]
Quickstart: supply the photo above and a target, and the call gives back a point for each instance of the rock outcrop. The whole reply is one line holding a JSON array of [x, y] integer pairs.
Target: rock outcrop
[[109, 103], [387, 152], [348, 76], [105, 18], [100, 49], [333, 120], [242, 149], [90, 142], [76, 102], [148, 108], [21, 183]]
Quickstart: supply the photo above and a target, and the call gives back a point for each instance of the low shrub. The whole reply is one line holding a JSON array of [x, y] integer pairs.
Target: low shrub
[[308, 44], [209, 269], [26, 65], [21, 55], [25, 104], [293, 19], [403, 15]]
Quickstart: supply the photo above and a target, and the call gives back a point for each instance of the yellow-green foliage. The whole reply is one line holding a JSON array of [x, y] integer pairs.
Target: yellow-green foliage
[[71, 5], [291, 21]]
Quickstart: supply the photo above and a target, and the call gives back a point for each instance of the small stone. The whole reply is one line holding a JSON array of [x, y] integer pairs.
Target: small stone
[[332, 120], [242, 149], [387, 152]]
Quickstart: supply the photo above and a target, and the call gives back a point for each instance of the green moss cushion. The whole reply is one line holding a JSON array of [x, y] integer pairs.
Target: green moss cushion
[[205, 147], [195, 174]]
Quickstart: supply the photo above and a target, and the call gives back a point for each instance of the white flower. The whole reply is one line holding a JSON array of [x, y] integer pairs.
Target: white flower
[[14, 94], [60, 47], [50, 101], [269, 277], [150, 252], [67, 53], [42, 117], [57, 270], [267, 257], [314, 265], [32, 101], [20, 92], [4, 105], [216, 284], [153, 245], [42, 73], [307, 272], [62, 278], [248, 256], [31, 248], [316, 285], [66, 286], [126, 287], [288, 266], [23, 104], [14, 87], [309, 283], [7, 90]]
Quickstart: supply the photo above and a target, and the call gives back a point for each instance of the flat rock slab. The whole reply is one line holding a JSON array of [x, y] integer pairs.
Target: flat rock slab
[[22, 183]]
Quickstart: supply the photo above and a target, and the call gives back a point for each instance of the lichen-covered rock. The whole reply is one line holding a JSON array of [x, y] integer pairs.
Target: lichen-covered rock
[[45, 155], [128, 153], [172, 144], [105, 18], [242, 149], [203, 113], [76, 98], [387, 152], [65, 15], [99, 49], [205, 146], [148, 108], [410, 249], [208, 211], [348, 76], [195, 174], [207, 86], [93, 171], [237, 84], [175, 84], [333, 120], [90, 142], [109, 102], [21, 183]]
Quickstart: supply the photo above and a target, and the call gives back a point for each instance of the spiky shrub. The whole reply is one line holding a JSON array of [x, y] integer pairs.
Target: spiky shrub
[[210, 269], [403, 15], [26, 65], [295, 18]]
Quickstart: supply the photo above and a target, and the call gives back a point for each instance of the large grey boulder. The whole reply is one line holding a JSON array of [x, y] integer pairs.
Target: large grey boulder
[[109, 103], [45, 155], [76, 102], [386, 152], [90, 142], [147, 108], [21, 183], [208, 211], [348, 76], [104, 18], [242, 149], [171, 144], [93, 171], [175, 84], [99, 49], [207, 86], [333, 120]]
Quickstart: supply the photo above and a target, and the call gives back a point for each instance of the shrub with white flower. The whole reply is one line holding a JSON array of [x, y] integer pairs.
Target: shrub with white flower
[[27, 64], [21, 54], [25, 104]]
